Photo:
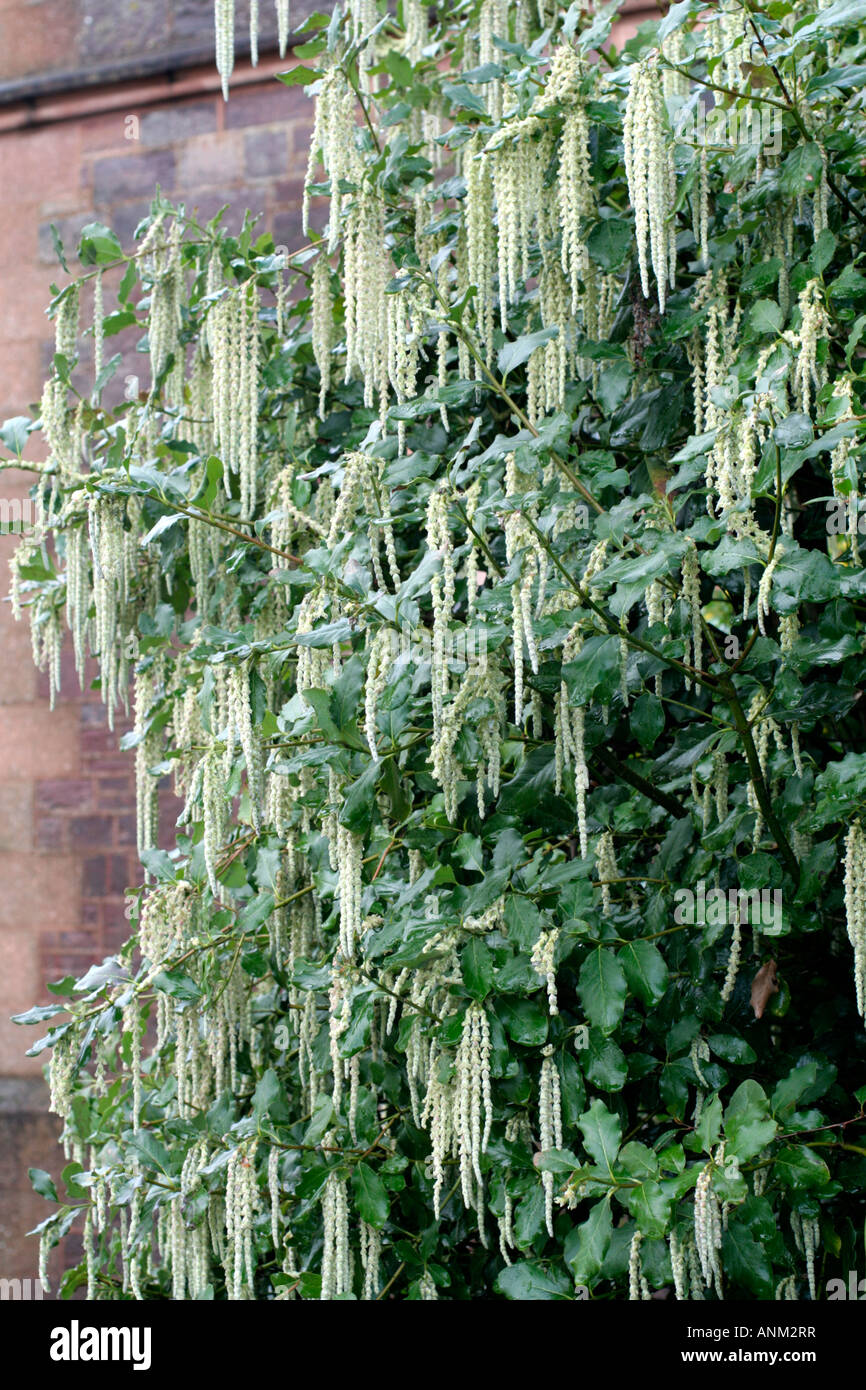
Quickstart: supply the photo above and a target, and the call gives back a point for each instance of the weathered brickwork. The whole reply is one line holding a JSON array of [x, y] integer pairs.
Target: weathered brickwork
[[45, 36]]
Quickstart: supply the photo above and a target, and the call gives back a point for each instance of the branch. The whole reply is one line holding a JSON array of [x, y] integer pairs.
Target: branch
[[640, 784]]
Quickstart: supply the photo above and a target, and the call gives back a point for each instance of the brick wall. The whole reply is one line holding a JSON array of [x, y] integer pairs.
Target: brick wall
[[40, 37], [67, 837]]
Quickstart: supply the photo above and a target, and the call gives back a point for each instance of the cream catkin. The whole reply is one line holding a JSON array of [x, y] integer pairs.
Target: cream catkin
[[708, 1224], [811, 1228], [254, 32], [283, 25], [550, 1124], [733, 959], [248, 403], [574, 184], [691, 590], [350, 850], [243, 728], [166, 316], [213, 795], [378, 667], [480, 238], [763, 609], [147, 750], [224, 25], [520, 541], [809, 374], [371, 1252], [543, 962], [323, 327], [608, 870], [442, 592], [634, 1268], [569, 728], [651, 177], [472, 1104], [233, 337], [679, 1269], [336, 1253], [98, 326], [365, 276], [242, 1200], [855, 907], [333, 139]]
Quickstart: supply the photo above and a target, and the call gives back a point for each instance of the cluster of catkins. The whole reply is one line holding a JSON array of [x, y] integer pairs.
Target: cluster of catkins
[[224, 26], [649, 167]]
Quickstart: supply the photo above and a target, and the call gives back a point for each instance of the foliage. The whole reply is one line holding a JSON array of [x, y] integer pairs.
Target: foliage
[[487, 613]]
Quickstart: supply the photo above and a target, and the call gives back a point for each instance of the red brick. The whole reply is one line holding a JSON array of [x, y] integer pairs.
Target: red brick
[[126, 831], [271, 104], [42, 161], [16, 816], [56, 965], [39, 37], [35, 742], [94, 876], [119, 874], [289, 191], [50, 833], [114, 793], [69, 940], [92, 710], [19, 988], [117, 178], [266, 154], [60, 795], [90, 832], [43, 892], [210, 160], [114, 914], [105, 132], [91, 915], [178, 121]]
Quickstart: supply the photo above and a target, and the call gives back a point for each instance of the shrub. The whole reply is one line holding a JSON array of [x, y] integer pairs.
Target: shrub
[[488, 576]]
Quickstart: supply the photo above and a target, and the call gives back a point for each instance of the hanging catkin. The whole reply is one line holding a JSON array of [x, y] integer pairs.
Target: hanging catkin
[[254, 32], [323, 327], [480, 238], [224, 24], [550, 1125], [248, 403], [336, 1255], [855, 908], [365, 276], [333, 139], [98, 326], [708, 1226], [147, 750], [283, 25], [473, 1106], [166, 317], [574, 184], [651, 176]]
